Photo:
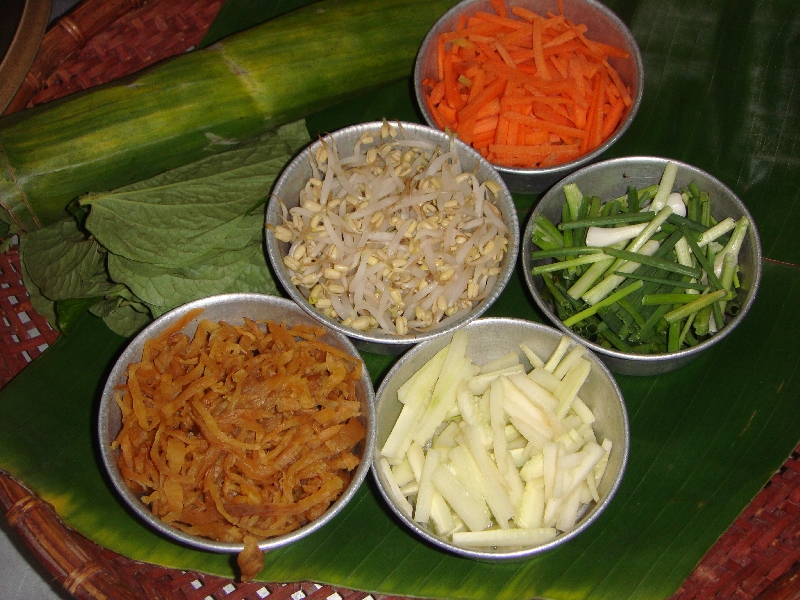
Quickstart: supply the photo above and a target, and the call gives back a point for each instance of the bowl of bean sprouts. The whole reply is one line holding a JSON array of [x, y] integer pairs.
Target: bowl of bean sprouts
[[392, 233]]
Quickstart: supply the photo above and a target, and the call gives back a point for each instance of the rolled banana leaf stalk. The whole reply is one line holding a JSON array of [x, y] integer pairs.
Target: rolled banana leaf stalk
[[198, 104]]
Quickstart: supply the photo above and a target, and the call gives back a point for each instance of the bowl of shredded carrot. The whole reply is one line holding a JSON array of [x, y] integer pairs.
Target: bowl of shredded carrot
[[538, 87], [237, 424]]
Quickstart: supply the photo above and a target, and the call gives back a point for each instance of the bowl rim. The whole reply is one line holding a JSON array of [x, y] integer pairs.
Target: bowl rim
[[391, 342], [133, 503], [429, 41], [521, 554], [686, 353]]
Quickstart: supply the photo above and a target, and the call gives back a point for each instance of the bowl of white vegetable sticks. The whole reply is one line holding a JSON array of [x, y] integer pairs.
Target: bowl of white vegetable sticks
[[501, 441], [392, 233], [648, 261], [539, 92]]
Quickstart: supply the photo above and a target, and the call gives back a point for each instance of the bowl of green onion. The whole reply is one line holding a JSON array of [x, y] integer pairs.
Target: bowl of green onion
[[648, 261]]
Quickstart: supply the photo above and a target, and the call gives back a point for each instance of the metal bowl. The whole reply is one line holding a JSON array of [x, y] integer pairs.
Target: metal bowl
[[610, 179], [231, 308], [604, 26], [294, 178], [490, 338]]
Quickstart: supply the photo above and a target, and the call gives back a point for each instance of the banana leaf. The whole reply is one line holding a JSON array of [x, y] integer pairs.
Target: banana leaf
[[720, 93]]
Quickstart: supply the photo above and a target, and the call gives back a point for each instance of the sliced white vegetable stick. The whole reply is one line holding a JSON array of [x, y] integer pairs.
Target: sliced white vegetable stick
[[569, 512], [416, 458], [446, 439], [586, 492], [470, 509], [459, 526], [533, 469], [600, 467], [513, 478], [520, 456], [422, 510], [495, 497], [558, 354], [536, 393], [399, 439], [497, 490], [544, 379], [568, 361], [570, 385], [532, 357], [467, 404], [571, 421], [480, 383], [530, 433], [519, 414], [551, 509], [504, 362], [498, 421], [592, 453], [517, 443], [569, 461], [454, 369], [394, 490], [506, 537], [467, 471], [558, 483], [402, 473], [587, 433], [512, 434], [577, 436], [419, 387], [514, 396], [410, 489], [483, 409], [583, 411], [441, 514], [453, 412], [530, 509], [549, 457]]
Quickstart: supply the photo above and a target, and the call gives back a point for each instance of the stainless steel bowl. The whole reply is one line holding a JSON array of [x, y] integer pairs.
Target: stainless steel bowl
[[604, 26], [294, 178], [610, 179], [490, 338], [231, 308]]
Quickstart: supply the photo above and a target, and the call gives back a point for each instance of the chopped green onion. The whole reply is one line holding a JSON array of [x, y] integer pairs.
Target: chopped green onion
[[608, 301], [562, 252], [656, 299], [619, 219], [701, 258], [694, 306], [652, 261], [688, 284], [567, 264]]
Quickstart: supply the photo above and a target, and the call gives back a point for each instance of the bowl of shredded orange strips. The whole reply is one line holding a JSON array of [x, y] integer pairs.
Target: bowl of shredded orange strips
[[539, 88], [238, 424]]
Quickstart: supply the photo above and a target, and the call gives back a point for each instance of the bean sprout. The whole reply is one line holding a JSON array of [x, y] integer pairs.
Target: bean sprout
[[395, 238]]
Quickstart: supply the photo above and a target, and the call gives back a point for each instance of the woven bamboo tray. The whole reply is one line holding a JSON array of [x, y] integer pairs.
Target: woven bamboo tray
[[758, 557]]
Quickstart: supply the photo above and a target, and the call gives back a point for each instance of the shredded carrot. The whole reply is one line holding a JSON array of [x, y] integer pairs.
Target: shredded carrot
[[511, 79], [499, 7]]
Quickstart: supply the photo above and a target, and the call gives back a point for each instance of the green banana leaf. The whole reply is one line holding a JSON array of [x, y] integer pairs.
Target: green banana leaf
[[721, 81]]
